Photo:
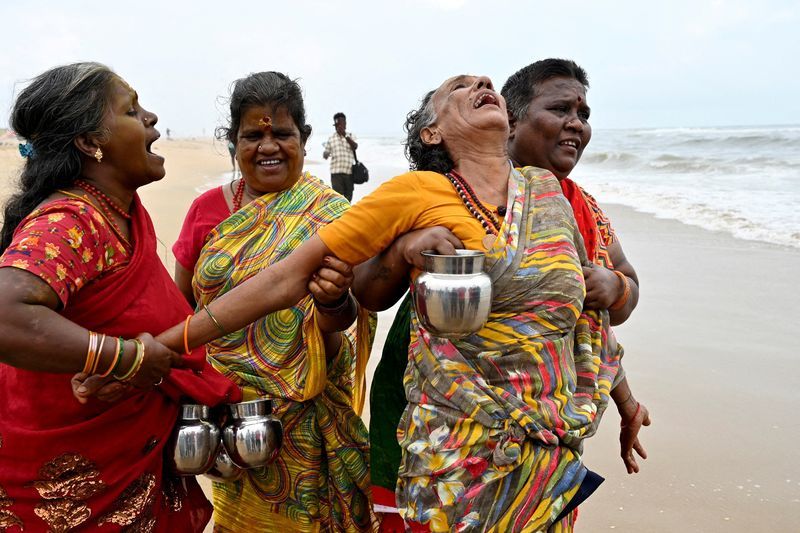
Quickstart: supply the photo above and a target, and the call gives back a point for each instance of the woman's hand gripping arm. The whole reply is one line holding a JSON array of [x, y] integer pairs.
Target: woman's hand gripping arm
[[381, 282]]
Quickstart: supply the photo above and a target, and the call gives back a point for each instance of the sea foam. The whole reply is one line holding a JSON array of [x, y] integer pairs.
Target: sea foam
[[741, 180]]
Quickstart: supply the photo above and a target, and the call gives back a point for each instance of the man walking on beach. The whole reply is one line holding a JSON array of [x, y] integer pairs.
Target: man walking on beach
[[340, 147]]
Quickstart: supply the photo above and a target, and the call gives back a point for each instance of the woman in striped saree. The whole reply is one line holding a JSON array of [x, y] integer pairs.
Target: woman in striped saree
[[492, 430], [306, 357]]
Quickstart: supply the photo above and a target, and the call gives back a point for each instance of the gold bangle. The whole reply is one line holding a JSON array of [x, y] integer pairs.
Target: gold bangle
[[114, 359], [99, 353], [186, 335], [214, 320], [90, 353], [139, 359]]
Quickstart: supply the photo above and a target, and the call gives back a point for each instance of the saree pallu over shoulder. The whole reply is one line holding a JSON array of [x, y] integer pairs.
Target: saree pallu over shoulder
[[492, 431], [320, 479], [64, 465], [281, 356], [598, 235]]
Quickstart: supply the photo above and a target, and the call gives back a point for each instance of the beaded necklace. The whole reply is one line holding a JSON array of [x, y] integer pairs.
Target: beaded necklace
[[238, 196], [105, 202], [100, 195], [473, 204]]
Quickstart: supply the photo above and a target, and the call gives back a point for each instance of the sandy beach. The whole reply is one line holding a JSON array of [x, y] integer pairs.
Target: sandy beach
[[710, 351]]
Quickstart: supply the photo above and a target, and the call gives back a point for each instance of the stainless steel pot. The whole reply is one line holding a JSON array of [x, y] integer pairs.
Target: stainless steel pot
[[453, 296], [252, 437], [195, 441], [224, 470]]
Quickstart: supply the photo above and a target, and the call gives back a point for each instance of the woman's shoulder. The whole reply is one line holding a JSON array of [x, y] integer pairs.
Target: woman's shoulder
[[214, 197], [421, 176], [209, 207], [61, 208], [66, 242], [320, 196], [420, 179], [316, 187], [537, 173], [542, 178]]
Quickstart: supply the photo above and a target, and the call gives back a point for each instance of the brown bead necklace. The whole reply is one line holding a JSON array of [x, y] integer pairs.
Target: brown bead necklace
[[482, 213]]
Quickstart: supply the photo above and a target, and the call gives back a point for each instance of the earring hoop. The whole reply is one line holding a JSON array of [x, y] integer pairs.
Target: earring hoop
[[98, 155]]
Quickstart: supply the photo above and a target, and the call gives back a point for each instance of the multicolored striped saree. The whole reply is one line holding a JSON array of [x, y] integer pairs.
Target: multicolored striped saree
[[320, 480], [492, 432]]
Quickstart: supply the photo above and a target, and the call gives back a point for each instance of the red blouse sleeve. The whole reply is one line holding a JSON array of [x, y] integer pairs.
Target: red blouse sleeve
[[67, 243], [205, 213]]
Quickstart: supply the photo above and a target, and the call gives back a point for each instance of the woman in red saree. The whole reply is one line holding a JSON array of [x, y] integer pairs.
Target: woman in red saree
[[79, 262]]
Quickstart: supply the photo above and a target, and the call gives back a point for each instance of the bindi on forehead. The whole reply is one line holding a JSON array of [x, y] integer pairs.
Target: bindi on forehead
[[265, 122]]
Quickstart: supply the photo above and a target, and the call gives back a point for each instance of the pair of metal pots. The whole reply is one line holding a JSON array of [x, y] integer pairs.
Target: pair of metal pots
[[453, 295], [251, 438]]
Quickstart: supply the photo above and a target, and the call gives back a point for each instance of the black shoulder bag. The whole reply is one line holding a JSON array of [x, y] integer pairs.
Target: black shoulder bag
[[359, 171]]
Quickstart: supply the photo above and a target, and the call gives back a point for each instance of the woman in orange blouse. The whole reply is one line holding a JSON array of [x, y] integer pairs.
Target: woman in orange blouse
[[481, 446]]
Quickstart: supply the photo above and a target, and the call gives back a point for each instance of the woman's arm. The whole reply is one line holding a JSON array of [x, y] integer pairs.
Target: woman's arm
[[277, 287], [622, 264], [33, 336], [604, 288], [634, 415], [381, 282]]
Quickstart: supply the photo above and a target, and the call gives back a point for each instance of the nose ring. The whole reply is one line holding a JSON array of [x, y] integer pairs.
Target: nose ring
[[259, 148]]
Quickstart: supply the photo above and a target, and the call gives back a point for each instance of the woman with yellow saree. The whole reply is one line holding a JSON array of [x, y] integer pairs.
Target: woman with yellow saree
[[306, 357], [492, 431]]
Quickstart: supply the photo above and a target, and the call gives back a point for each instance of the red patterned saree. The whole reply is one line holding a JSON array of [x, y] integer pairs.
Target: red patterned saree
[[99, 466]]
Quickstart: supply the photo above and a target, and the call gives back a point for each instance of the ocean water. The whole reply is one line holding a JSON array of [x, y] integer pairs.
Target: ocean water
[[744, 181], [741, 180]]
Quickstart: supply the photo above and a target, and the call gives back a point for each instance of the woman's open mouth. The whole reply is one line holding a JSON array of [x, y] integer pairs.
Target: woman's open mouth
[[149, 148], [486, 98]]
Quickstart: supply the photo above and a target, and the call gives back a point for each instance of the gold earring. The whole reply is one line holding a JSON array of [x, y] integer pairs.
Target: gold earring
[[98, 155]]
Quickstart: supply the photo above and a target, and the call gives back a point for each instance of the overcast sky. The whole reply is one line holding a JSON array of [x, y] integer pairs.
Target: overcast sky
[[651, 64]]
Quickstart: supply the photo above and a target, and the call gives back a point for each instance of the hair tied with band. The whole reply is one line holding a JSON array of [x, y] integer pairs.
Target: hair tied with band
[[26, 150]]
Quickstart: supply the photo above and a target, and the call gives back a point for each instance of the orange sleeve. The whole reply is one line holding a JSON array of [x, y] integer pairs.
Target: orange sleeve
[[372, 224], [406, 202]]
